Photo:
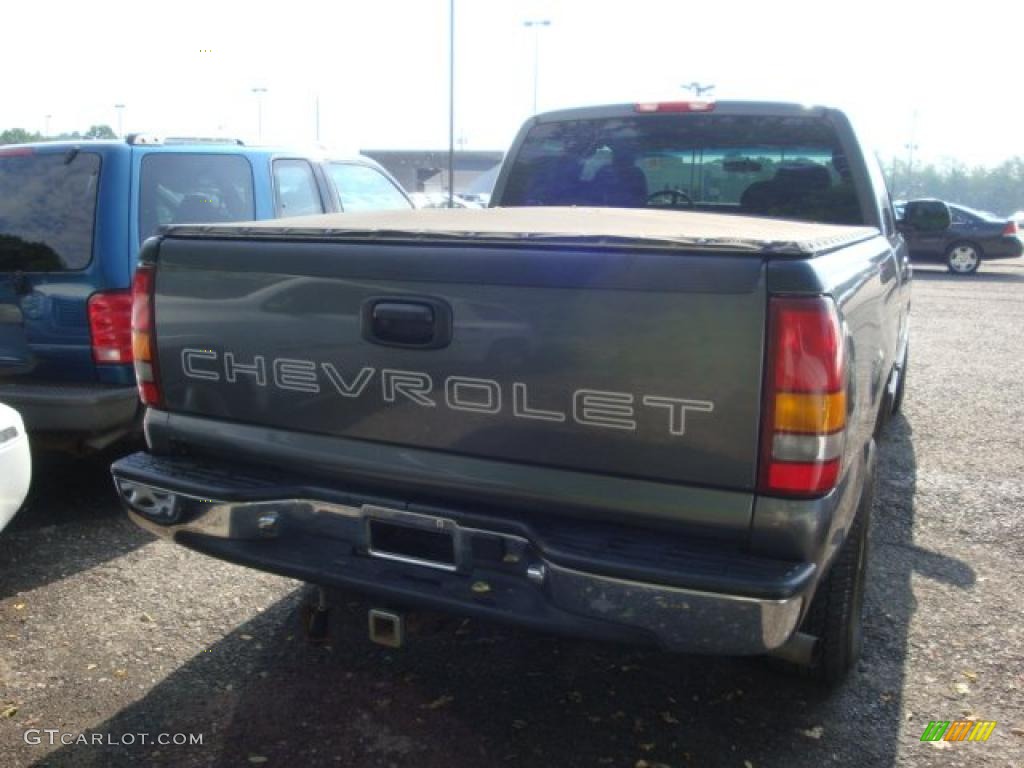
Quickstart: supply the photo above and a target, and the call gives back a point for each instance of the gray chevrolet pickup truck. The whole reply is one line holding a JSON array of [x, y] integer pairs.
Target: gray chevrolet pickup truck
[[637, 399]]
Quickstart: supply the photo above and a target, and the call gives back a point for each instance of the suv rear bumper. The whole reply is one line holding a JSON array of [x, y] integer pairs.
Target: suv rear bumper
[[88, 409], [576, 577]]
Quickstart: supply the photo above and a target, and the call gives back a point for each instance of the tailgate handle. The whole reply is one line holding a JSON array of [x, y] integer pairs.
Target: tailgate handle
[[422, 323]]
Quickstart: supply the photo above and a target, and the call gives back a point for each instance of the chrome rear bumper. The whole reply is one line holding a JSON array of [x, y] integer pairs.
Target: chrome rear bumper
[[329, 543]]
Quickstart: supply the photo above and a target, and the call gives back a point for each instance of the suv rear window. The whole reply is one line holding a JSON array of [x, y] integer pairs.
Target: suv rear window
[[196, 188], [47, 210], [781, 167]]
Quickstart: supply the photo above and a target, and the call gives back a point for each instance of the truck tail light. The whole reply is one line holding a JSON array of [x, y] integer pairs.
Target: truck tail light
[[110, 314], [1011, 228], [143, 335], [804, 423]]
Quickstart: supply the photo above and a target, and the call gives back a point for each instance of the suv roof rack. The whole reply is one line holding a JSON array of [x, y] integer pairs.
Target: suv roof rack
[[149, 138]]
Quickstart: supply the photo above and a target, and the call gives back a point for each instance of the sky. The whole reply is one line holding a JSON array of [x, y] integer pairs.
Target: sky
[[907, 72]]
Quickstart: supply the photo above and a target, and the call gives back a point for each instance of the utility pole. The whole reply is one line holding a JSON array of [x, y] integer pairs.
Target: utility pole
[[536, 25], [259, 113], [46, 133], [451, 103], [120, 120]]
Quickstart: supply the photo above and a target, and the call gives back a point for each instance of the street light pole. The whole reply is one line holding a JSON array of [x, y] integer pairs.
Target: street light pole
[[120, 120], [910, 147], [259, 113], [318, 118], [451, 103], [535, 25], [47, 133]]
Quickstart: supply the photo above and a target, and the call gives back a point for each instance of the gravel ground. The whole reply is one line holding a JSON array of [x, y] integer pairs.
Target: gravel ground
[[107, 632]]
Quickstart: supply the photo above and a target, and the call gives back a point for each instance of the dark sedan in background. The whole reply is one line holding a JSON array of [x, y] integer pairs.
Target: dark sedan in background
[[971, 237]]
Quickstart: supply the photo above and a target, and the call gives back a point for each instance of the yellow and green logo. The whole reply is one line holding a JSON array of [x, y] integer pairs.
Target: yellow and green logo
[[958, 730]]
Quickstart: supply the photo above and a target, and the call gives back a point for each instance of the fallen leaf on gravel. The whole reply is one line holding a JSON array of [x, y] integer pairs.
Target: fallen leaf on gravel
[[9, 711], [972, 676], [813, 733], [120, 673], [1017, 731], [91, 666], [669, 718], [444, 701], [146, 618], [962, 688], [246, 637], [257, 759], [19, 606], [647, 747]]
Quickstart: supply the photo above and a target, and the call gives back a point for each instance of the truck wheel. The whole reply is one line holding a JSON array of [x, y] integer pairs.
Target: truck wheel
[[963, 258], [834, 617], [897, 398]]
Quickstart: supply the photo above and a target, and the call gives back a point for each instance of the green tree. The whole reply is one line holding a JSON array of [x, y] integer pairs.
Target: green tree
[[999, 189], [100, 132], [18, 136]]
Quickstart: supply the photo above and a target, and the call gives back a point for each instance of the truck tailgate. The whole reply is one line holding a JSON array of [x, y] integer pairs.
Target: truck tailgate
[[622, 362]]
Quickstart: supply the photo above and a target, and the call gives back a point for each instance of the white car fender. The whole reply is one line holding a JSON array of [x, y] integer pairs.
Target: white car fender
[[15, 464]]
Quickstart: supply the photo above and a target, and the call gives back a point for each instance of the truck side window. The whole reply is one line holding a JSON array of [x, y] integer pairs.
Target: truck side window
[[295, 189]]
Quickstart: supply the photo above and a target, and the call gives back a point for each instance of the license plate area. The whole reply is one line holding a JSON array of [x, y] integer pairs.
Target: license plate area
[[411, 538]]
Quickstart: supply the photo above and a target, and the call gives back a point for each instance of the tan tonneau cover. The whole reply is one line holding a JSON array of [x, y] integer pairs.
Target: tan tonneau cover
[[587, 227]]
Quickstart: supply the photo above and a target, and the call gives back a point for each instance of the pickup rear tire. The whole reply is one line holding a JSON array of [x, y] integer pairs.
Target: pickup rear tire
[[901, 386], [835, 614]]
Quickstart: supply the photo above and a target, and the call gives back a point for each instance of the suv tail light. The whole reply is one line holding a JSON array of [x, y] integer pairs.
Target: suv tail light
[[143, 336], [1011, 228], [110, 314], [804, 424]]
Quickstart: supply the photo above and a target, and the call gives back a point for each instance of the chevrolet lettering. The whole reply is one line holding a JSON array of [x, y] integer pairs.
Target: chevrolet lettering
[[591, 407]]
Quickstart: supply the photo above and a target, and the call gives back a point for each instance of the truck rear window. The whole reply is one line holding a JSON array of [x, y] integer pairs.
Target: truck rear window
[[47, 210], [784, 167], [193, 188]]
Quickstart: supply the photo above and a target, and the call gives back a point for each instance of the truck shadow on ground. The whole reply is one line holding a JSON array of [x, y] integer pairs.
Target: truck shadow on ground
[[40, 545], [473, 694]]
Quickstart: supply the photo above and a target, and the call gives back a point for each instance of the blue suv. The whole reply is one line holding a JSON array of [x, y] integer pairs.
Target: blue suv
[[72, 217]]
